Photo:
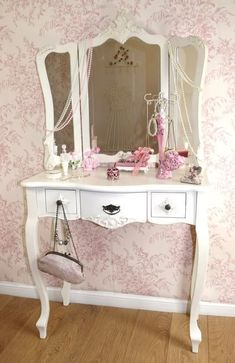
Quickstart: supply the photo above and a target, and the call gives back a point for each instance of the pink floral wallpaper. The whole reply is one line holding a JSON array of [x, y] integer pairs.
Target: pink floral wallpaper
[[139, 258]]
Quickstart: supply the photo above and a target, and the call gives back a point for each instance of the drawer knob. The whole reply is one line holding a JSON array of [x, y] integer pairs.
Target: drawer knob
[[167, 207], [111, 209]]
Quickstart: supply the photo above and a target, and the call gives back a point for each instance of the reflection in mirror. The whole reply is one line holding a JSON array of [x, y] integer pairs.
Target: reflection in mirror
[[121, 74], [187, 58], [187, 79], [58, 72]]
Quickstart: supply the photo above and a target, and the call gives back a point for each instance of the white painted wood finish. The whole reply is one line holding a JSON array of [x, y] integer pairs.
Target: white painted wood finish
[[199, 268], [31, 237], [65, 293], [132, 206], [141, 198], [116, 299]]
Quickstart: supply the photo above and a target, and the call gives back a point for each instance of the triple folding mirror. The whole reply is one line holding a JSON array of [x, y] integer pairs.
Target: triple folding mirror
[[99, 92]]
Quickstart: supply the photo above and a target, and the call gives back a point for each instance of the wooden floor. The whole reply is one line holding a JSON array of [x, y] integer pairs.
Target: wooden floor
[[84, 333]]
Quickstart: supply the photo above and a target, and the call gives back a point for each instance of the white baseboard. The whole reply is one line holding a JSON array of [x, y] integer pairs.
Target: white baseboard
[[115, 299]]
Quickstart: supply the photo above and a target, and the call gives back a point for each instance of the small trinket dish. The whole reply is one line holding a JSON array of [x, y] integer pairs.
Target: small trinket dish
[[54, 174], [192, 175]]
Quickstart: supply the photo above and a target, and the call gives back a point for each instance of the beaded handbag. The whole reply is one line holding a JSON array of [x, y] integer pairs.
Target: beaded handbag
[[58, 264]]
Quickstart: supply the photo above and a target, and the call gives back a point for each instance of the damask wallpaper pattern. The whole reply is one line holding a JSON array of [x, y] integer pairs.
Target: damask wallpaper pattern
[[139, 258]]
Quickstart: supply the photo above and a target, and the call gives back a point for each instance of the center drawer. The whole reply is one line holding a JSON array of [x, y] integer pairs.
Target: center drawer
[[113, 205]]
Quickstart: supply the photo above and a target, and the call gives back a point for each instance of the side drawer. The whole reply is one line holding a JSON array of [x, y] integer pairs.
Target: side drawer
[[67, 196], [168, 205], [132, 206]]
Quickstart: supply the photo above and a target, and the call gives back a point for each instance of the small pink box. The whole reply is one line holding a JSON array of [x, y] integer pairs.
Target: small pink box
[[183, 153], [113, 173]]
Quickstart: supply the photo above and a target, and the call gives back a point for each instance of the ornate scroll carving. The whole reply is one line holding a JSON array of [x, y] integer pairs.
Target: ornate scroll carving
[[122, 27], [110, 223]]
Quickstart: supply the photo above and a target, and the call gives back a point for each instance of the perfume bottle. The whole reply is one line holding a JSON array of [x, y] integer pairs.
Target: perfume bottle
[[64, 159]]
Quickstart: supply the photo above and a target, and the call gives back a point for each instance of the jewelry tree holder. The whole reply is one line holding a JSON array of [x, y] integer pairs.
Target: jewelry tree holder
[[158, 127]]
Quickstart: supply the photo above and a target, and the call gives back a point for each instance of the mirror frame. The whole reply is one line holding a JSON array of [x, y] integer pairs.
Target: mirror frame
[[51, 160], [120, 30]]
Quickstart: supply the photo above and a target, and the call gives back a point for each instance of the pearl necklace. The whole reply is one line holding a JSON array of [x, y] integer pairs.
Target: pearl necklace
[[62, 121]]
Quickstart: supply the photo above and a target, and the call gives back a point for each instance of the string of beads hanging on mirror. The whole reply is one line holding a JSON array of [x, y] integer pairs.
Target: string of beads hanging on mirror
[[179, 73], [60, 125], [62, 121], [171, 131], [180, 69]]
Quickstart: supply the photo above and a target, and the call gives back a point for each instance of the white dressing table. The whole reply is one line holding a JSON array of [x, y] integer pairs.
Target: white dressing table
[[109, 110], [141, 198]]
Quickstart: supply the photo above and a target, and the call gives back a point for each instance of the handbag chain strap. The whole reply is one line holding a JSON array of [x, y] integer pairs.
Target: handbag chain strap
[[59, 204]]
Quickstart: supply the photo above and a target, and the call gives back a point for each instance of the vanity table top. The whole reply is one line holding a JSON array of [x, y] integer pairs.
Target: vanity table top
[[96, 180]]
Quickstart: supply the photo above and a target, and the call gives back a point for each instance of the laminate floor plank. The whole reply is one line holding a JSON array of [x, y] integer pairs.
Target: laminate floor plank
[[180, 350], [109, 337], [221, 339], [62, 329], [13, 316], [92, 334], [67, 342], [150, 338], [26, 339], [4, 300]]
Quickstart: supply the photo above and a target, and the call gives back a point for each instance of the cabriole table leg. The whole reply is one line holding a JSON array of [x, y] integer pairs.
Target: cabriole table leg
[[199, 271], [31, 236]]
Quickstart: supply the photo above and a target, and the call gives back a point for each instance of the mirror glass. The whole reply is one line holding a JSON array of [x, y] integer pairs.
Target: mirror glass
[[121, 75], [188, 59], [59, 77], [186, 89]]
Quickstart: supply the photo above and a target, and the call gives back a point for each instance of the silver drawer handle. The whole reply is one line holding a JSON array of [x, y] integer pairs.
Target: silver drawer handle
[[111, 209]]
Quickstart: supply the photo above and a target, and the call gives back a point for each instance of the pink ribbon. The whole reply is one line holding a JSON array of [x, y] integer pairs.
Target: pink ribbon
[[140, 158]]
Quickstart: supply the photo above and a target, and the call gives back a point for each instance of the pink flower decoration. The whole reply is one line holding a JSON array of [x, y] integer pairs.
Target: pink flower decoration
[[172, 161], [90, 161]]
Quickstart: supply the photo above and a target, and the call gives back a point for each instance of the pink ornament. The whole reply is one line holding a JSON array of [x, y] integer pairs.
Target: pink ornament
[[172, 161], [160, 125], [113, 173], [140, 158], [91, 161]]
